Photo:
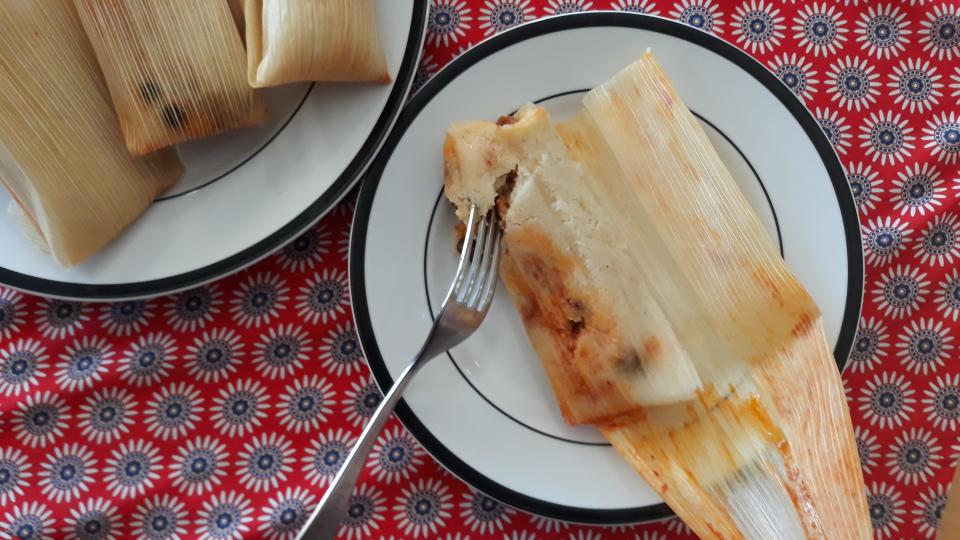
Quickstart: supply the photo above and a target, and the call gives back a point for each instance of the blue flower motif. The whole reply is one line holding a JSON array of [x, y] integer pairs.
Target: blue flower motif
[[193, 309], [22, 364]]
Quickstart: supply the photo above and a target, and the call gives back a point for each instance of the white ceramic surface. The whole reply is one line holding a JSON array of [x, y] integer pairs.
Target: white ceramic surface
[[240, 188], [489, 404]]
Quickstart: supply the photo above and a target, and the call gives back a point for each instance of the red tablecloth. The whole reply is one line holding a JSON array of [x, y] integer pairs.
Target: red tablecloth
[[221, 412]]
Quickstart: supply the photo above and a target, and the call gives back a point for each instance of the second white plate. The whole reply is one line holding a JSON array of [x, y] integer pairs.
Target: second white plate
[[487, 412]]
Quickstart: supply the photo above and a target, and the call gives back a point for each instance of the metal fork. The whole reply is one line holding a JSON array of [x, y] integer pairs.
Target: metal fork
[[464, 308]]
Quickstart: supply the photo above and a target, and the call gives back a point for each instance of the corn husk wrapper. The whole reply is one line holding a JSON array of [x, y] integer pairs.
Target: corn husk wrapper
[[175, 69], [313, 40], [62, 156], [236, 11], [628, 212]]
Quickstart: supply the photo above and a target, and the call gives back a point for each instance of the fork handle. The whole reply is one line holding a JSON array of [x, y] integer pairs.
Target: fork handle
[[324, 522]]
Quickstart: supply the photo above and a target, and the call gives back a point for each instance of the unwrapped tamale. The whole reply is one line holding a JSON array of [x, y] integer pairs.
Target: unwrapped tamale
[[662, 312]]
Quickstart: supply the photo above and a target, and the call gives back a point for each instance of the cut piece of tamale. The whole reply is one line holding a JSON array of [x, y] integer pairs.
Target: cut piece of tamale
[[630, 203], [175, 69], [313, 40], [62, 156]]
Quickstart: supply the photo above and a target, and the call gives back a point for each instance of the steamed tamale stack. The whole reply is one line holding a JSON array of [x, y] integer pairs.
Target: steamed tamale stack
[[175, 68], [313, 40], [662, 313], [62, 156]]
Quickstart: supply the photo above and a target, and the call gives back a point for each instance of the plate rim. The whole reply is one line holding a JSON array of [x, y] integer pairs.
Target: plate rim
[[352, 173], [603, 18]]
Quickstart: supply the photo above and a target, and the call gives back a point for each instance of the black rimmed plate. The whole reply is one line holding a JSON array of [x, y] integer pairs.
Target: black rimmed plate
[[487, 412], [245, 193]]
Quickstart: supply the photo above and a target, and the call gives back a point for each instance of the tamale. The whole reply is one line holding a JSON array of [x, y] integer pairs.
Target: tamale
[[629, 201], [175, 69], [313, 40], [62, 156], [236, 10]]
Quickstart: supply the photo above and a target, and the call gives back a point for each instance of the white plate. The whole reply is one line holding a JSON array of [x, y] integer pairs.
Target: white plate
[[487, 412], [245, 193]]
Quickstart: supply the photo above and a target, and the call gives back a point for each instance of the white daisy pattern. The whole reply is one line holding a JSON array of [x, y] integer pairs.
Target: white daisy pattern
[[835, 127], [395, 456], [425, 71], [364, 513], [193, 309], [325, 297], [924, 345], [422, 508], [14, 474], [57, 319], [240, 408], [938, 243], [40, 419], [67, 472], [161, 517], [869, 346], [865, 185], [918, 190], [285, 514], [942, 136], [548, 525], [484, 515], [887, 137], [224, 516], [940, 34], [174, 411], [306, 403], [360, 402], [757, 26], [700, 14], [308, 249], [199, 465], [259, 299], [637, 6], [928, 510], [955, 85], [12, 313], [214, 355], [883, 30], [83, 363], [852, 83], [107, 415], [326, 455], [499, 15], [884, 238], [798, 74], [22, 364], [560, 7], [900, 290], [340, 350], [915, 85], [149, 359], [448, 21], [282, 350], [820, 28], [886, 400], [29, 521], [948, 296], [133, 469], [885, 504], [93, 519], [914, 456], [941, 402], [125, 318], [868, 449], [264, 462]]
